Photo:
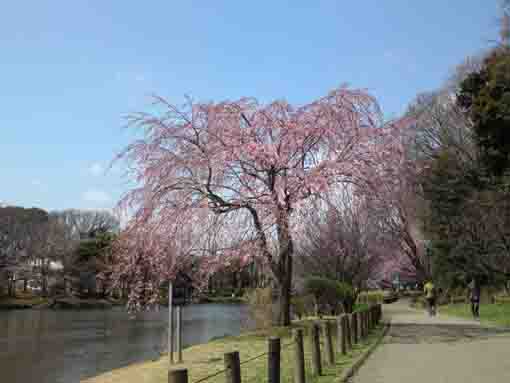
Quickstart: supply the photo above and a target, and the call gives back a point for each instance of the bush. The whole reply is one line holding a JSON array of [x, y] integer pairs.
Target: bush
[[302, 305], [328, 294], [371, 297], [224, 292], [501, 299]]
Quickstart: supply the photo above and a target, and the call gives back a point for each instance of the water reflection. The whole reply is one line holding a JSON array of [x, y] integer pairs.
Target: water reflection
[[47, 346]]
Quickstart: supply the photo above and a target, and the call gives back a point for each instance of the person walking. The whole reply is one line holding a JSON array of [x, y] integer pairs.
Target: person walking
[[474, 297], [430, 296]]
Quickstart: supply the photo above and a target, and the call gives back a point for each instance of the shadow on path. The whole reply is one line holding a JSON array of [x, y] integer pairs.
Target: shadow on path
[[410, 333]]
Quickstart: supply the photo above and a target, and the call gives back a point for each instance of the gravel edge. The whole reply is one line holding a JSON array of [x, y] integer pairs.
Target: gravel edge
[[351, 371]]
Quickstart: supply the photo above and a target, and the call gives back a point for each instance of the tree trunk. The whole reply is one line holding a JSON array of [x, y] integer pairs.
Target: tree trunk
[[11, 287], [284, 271], [44, 285], [234, 282], [285, 290], [103, 289], [281, 267], [284, 279]]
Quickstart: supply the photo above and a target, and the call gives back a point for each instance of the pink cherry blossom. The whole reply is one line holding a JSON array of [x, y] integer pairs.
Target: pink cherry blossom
[[222, 180]]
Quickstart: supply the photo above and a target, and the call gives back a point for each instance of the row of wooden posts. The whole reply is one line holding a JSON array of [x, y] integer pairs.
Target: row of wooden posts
[[351, 329]]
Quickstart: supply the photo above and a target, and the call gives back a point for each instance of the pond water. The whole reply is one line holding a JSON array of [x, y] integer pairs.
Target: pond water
[[45, 346]]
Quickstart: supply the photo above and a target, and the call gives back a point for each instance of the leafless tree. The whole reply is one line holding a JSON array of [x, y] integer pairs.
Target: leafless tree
[[19, 230], [54, 251], [505, 23], [440, 123], [341, 241], [85, 223]]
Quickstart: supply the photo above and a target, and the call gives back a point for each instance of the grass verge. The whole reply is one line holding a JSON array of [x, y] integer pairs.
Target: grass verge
[[7, 303], [206, 359], [490, 314]]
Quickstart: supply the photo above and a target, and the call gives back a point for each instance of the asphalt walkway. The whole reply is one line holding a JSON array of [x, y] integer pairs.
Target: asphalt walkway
[[423, 349]]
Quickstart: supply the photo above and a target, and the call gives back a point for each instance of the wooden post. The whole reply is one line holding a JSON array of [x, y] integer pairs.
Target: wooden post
[[328, 341], [273, 360], [316, 350], [178, 376], [179, 334], [299, 357], [340, 340], [348, 331], [233, 367], [170, 324]]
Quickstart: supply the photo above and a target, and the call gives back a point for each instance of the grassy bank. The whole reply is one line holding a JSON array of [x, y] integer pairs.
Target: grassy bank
[[206, 359], [18, 303], [490, 314]]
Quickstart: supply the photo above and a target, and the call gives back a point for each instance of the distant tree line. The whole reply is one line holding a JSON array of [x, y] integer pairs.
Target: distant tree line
[[62, 252]]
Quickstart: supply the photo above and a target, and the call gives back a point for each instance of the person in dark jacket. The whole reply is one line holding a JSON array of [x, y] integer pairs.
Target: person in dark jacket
[[474, 297]]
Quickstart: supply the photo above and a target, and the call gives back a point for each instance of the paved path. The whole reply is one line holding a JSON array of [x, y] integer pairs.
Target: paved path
[[420, 349]]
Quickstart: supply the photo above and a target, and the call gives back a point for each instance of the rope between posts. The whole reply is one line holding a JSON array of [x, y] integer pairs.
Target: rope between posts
[[240, 364], [211, 376], [252, 359], [264, 354], [288, 344]]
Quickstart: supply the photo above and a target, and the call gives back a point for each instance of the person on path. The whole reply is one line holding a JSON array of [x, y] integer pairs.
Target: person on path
[[430, 296], [474, 297]]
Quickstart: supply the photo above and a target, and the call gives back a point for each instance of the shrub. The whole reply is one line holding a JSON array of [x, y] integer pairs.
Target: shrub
[[371, 297], [328, 294], [347, 296], [302, 305]]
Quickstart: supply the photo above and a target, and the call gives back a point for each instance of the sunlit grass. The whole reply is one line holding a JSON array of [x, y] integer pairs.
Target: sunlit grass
[[490, 314], [206, 359], [21, 300]]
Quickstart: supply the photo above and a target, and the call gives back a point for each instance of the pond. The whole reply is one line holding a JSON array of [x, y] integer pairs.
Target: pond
[[45, 346]]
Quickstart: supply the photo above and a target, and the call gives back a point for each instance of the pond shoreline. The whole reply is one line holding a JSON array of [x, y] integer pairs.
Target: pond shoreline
[[73, 303], [59, 303]]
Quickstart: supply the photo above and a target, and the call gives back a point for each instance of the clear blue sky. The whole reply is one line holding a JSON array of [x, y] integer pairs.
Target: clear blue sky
[[70, 71]]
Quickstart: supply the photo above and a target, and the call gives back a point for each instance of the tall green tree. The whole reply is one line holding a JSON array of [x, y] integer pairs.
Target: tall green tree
[[94, 260], [485, 96]]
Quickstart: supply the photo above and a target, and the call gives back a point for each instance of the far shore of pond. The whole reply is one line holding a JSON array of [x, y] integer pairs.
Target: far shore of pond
[[73, 303]]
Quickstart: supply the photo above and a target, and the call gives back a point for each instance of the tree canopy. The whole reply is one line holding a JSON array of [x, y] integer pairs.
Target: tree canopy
[[231, 179]]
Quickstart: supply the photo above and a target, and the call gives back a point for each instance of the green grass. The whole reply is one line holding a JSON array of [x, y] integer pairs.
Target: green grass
[[21, 301], [490, 314], [206, 359]]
